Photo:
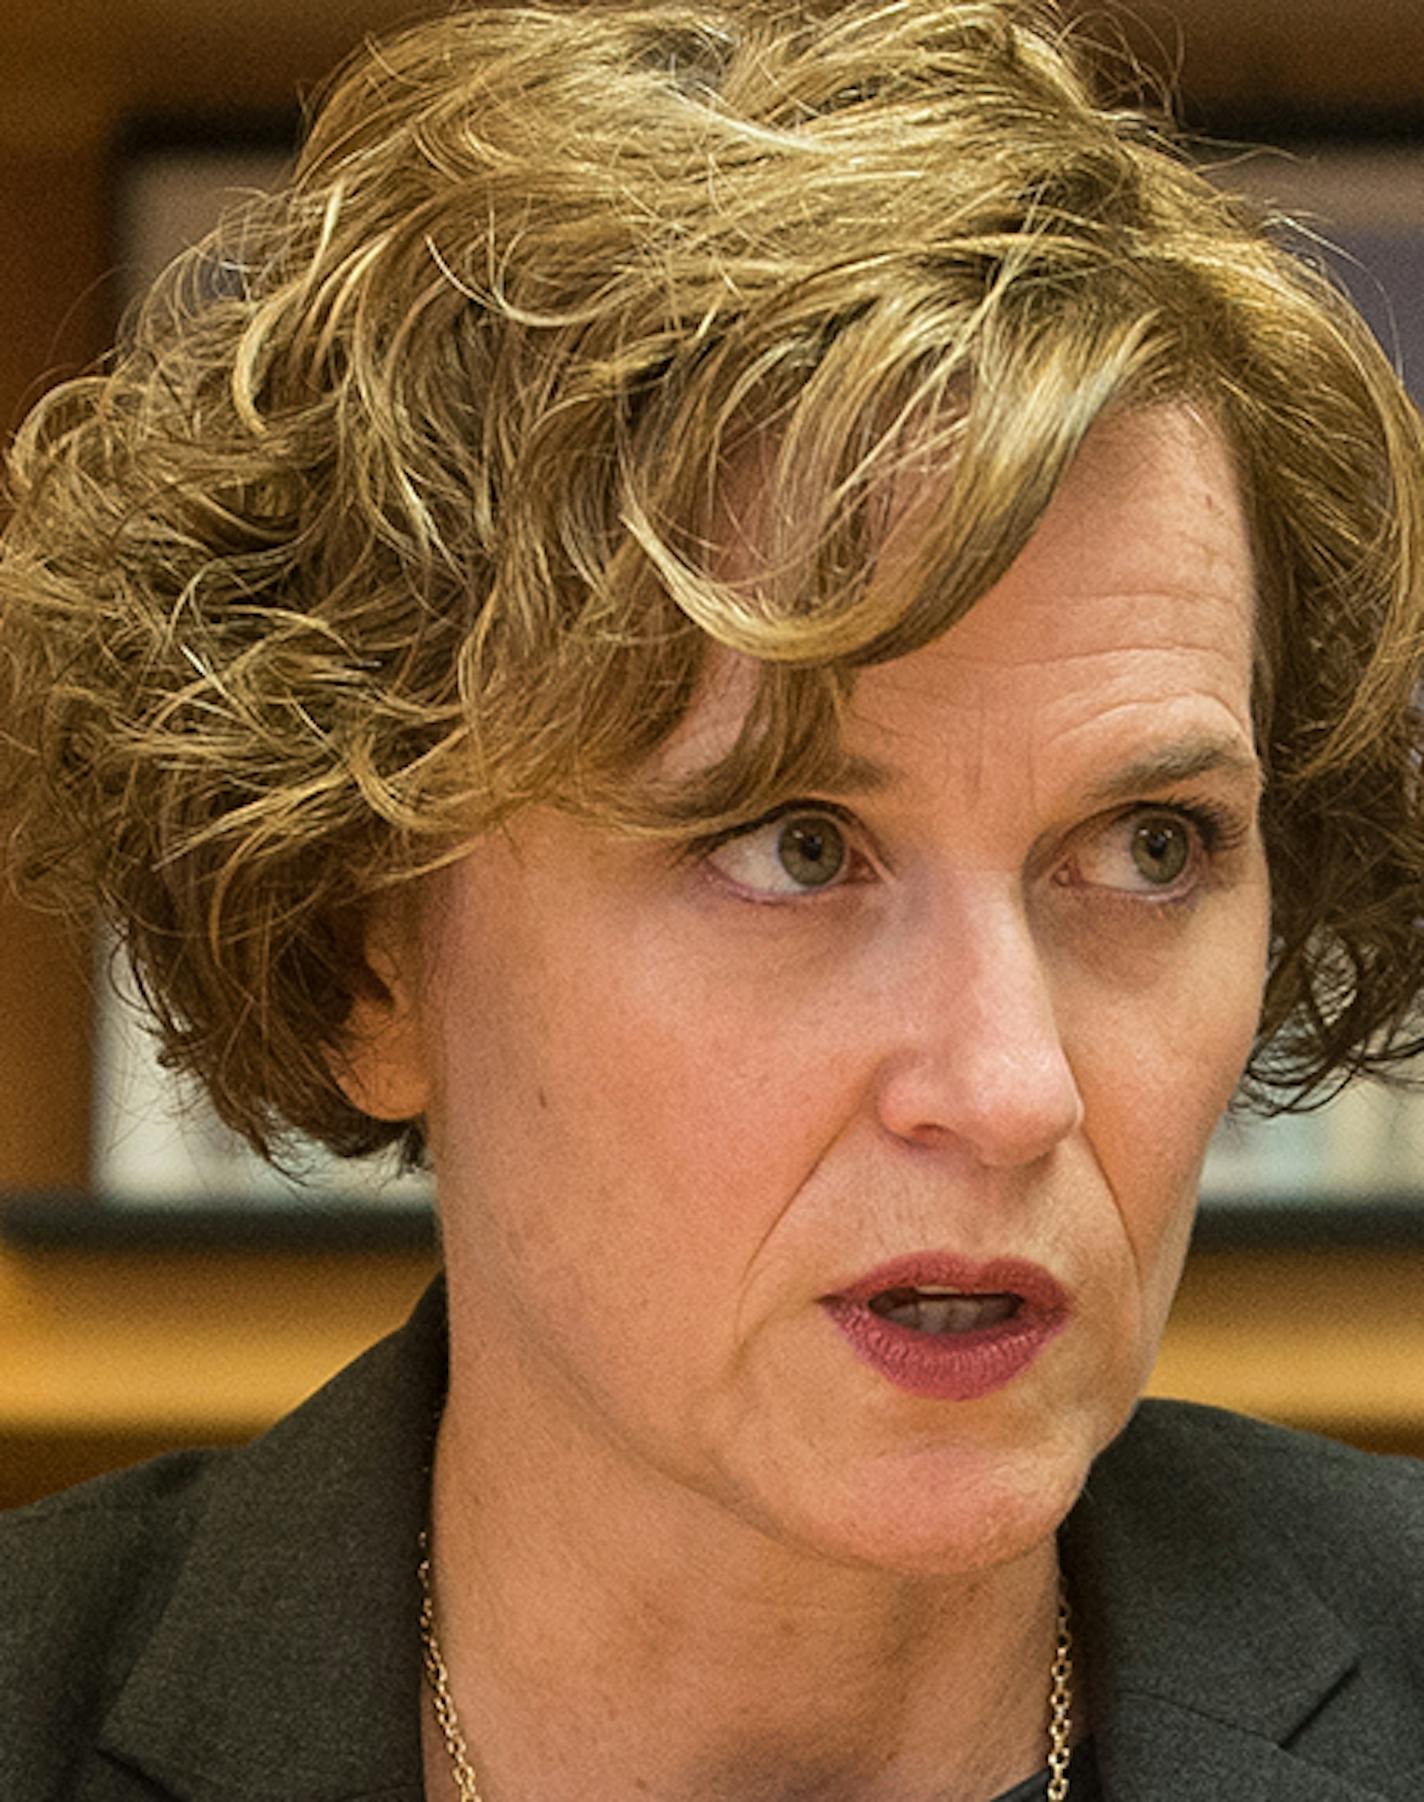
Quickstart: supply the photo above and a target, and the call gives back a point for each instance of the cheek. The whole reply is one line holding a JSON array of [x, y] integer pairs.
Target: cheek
[[598, 1087], [1159, 1066]]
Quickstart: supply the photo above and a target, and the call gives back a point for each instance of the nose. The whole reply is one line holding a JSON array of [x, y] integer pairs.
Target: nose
[[974, 1054]]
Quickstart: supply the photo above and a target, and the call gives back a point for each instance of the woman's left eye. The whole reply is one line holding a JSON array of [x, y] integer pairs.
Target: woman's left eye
[[797, 852], [1148, 852]]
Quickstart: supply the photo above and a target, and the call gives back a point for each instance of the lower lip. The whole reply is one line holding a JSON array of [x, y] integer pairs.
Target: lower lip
[[946, 1367]]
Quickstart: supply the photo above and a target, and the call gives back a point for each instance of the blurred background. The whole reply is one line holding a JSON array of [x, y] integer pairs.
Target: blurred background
[[157, 1287]]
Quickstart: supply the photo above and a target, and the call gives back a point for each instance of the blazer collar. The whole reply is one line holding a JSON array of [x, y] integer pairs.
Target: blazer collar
[[286, 1664], [1206, 1644]]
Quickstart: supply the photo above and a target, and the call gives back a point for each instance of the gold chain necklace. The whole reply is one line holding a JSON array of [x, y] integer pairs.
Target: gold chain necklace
[[1060, 1695]]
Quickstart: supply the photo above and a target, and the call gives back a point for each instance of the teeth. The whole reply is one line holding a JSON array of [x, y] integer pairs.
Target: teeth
[[950, 1314], [934, 1310]]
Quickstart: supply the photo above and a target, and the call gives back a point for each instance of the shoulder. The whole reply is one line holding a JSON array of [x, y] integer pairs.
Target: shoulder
[[1352, 1516], [1224, 1450], [83, 1577], [1252, 1599], [179, 1616], [100, 1547]]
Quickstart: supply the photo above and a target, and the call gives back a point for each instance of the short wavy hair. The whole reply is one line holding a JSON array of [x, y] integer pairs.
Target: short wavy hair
[[398, 508]]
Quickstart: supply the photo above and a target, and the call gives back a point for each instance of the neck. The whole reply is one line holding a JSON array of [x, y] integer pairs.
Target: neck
[[598, 1646]]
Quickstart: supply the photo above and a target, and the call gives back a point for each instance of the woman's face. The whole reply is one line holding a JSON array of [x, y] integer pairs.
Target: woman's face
[[838, 1174]]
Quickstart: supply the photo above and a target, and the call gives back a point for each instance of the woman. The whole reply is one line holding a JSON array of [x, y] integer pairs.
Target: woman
[[782, 645]]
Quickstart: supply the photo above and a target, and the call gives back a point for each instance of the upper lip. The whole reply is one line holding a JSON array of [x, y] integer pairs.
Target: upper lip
[[1037, 1287]]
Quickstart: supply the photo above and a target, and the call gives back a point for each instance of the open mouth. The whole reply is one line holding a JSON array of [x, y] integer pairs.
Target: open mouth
[[929, 1309], [939, 1293], [946, 1327]]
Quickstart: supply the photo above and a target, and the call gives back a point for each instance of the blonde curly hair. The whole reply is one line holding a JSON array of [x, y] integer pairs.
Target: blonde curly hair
[[398, 508]]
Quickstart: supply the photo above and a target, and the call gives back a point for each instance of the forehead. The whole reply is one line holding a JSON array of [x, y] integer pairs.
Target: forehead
[[1137, 589], [1146, 532]]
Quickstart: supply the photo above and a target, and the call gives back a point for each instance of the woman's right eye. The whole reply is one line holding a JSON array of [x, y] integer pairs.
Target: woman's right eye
[[798, 852]]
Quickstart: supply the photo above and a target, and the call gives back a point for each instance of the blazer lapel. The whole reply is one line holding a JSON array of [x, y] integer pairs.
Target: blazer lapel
[[1160, 1751], [286, 1664], [1207, 1647]]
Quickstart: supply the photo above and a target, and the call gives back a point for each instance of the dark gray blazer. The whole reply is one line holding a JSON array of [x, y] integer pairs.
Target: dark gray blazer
[[241, 1626]]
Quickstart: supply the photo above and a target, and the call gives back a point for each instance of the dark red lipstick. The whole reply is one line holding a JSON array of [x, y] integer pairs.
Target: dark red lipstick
[[950, 1328]]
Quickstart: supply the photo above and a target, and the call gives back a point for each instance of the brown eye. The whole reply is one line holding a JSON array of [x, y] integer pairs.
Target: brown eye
[[1161, 850], [811, 848]]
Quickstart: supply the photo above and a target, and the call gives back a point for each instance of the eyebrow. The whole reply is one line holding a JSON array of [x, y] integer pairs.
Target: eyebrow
[[1185, 761], [854, 774]]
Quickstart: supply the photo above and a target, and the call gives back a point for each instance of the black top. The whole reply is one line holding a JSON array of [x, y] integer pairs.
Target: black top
[[1083, 1785], [242, 1626]]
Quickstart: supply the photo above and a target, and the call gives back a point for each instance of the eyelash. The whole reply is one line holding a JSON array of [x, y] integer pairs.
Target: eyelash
[[1218, 829], [713, 841], [700, 849]]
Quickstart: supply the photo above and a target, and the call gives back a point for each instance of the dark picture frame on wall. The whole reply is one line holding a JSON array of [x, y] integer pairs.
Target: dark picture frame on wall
[[159, 1153], [1352, 203]]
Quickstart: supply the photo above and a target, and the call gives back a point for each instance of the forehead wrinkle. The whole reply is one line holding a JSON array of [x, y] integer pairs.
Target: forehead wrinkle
[[976, 756], [960, 733], [1217, 676], [1210, 643]]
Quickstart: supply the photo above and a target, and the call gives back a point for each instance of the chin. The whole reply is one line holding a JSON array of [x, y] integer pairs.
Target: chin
[[942, 1510]]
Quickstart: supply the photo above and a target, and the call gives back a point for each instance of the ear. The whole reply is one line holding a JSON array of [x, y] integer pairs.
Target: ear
[[381, 1063]]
